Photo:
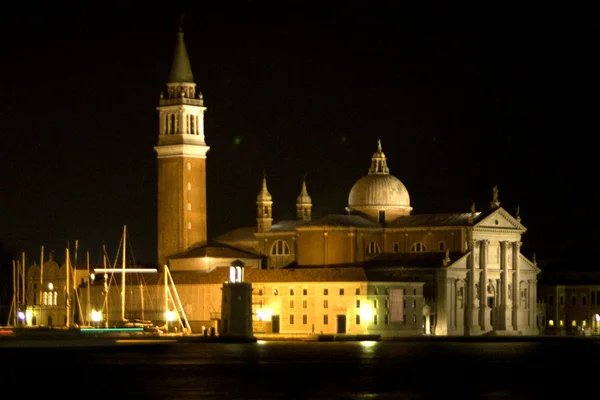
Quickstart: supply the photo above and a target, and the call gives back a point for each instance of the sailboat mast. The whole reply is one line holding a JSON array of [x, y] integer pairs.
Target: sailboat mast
[[42, 282], [68, 288], [23, 292], [123, 275], [105, 286], [88, 311], [15, 293]]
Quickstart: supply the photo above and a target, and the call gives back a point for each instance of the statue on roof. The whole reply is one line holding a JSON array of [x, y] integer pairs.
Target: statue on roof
[[379, 148], [473, 208], [495, 203]]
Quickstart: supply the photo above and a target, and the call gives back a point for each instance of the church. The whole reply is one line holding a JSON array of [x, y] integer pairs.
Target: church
[[375, 268]]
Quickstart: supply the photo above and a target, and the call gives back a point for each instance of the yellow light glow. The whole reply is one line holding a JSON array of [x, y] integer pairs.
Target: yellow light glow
[[50, 286], [597, 318], [96, 316], [368, 343], [170, 315], [261, 342], [366, 313], [264, 314]]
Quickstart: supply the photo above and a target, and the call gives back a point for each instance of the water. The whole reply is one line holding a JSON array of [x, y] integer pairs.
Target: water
[[307, 370]]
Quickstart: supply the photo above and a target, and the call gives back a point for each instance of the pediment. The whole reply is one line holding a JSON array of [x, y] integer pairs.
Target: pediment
[[500, 218]]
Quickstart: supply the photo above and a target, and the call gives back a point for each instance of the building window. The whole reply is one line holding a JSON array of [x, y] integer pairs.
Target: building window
[[387, 303], [562, 301], [414, 292], [375, 319], [441, 246], [357, 319], [325, 319], [291, 303], [325, 292], [357, 291], [376, 291], [189, 206], [291, 319], [189, 166], [550, 322], [386, 319], [357, 303], [414, 303], [304, 292], [325, 303], [375, 303], [396, 247], [280, 248], [414, 319], [189, 226], [583, 300], [341, 292], [373, 248], [304, 319], [418, 247], [551, 299], [291, 292], [260, 292], [304, 303], [189, 185], [275, 292]]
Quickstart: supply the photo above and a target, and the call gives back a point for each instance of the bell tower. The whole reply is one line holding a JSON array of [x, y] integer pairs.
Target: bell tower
[[181, 155]]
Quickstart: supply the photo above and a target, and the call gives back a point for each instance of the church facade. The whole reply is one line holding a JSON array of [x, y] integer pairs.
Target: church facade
[[376, 268]]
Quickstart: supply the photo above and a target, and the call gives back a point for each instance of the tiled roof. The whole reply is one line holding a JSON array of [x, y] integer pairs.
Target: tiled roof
[[216, 250], [341, 220], [252, 275], [425, 220], [287, 225]]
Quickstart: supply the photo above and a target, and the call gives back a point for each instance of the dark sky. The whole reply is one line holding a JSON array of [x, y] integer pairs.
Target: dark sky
[[460, 104]]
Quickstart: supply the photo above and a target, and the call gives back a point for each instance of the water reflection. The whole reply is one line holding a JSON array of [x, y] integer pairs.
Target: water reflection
[[308, 370]]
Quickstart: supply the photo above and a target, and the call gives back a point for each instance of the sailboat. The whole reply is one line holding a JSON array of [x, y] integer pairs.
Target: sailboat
[[135, 312]]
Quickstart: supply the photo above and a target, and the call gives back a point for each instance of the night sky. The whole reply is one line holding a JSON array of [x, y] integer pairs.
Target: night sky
[[460, 106]]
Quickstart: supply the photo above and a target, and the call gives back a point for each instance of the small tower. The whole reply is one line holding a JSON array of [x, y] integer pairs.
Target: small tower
[[236, 304], [304, 204], [264, 204]]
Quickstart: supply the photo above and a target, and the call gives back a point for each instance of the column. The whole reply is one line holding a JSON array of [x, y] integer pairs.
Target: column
[[484, 310], [472, 307], [442, 323], [516, 249], [162, 126], [505, 309]]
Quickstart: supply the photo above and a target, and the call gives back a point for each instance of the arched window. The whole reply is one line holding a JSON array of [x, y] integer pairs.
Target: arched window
[[280, 248], [373, 248], [418, 247]]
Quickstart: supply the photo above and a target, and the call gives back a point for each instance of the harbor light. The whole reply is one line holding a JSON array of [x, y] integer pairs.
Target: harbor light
[[96, 316], [21, 315], [264, 314], [170, 316], [366, 313]]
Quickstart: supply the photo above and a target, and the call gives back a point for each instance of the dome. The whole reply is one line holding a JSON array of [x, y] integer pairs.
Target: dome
[[379, 191]]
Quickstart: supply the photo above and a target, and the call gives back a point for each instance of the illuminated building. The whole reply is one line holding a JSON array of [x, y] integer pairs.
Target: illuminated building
[[376, 268]]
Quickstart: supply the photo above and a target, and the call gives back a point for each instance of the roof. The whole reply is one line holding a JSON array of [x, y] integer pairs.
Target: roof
[[341, 220], [252, 275], [425, 220], [216, 250], [181, 70]]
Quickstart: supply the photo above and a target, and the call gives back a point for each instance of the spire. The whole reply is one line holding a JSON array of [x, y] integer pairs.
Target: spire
[[181, 69], [303, 203], [379, 162], [264, 203]]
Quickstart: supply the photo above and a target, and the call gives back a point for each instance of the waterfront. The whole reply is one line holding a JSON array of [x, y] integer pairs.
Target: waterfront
[[308, 370]]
